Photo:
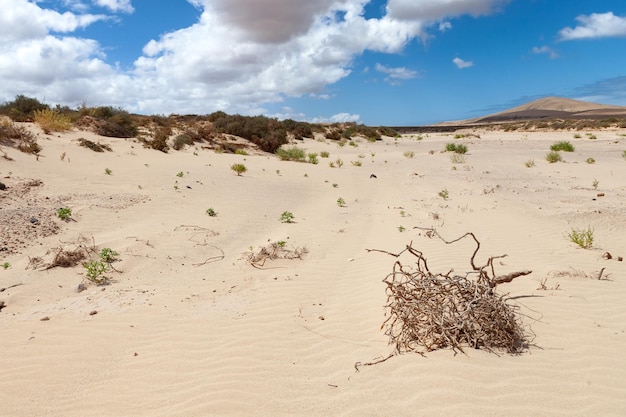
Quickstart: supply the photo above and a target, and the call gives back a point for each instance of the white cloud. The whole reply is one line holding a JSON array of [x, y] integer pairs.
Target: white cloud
[[116, 5], [338, 118], [460, 63], [545, 50], [444, 26], [439, 9], [595, 25], [395, 75], [239, 56]]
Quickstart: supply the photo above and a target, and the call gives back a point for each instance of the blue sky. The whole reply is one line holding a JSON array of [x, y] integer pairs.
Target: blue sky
[[378, 62]]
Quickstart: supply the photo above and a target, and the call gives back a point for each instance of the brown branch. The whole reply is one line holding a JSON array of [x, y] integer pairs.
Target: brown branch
[[508, 277]]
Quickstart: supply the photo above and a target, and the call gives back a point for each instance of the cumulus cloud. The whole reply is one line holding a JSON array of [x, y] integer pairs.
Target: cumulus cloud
[[460, 63], [338, 118], [239, 56], [595, 25], [538, 50], [438, 9], [397, 74]]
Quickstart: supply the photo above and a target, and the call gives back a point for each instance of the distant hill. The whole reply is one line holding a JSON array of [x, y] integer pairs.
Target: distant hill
[[552, 108]]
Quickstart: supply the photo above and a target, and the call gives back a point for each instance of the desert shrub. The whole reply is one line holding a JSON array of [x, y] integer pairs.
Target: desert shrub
[[428, 310], [460, 148], [409, 154], [530, 163], [562, 146], [356, 163], [96, 147], [581, 237], [51, 121], [240, 151], [313, 158], [239, 168], [19, 137], [64, 213], [444, 194], [211, 212], [286, 217], [333, 134], [553, 157], [160, 138], [292, 154], [457, 158], [326, 154], [450, 147], [181, 141], [22, 109], [590, 161]]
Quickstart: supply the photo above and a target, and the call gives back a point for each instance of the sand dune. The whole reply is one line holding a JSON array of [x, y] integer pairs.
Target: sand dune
[[190, 328]]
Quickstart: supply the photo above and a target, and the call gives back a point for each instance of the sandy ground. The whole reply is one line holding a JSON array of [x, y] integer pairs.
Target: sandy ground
[[189, 328]]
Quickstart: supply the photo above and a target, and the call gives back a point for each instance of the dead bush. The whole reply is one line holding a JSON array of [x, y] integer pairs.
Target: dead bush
[[427, 311], [273, 251]]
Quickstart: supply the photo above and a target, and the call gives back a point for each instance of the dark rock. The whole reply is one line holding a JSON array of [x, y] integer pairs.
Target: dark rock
[[34, 220], [373, 176], [2, 186], [2, 305]]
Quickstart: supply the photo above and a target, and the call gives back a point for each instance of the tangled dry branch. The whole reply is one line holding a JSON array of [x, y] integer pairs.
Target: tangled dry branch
[[429, 311]]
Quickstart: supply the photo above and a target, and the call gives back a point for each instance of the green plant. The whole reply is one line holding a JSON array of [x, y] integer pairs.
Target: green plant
[[339, 163], [281, 243], [583, 238], [313, 158], [286, 217], [460, 148], [530, 163], [553, 157], [107, 171], [577, 136], [292, 154], [409, 154], [450, 147], [459, 136], [595, 183], [591, 136], [590, 161], [240, 151], [562, 146], [6, 265], [211, 212], [108, 255], [353, 143], [180, 174], [95, 271], [64, 213], [356, 163], [335, 185], [239, 168], [176, 185], [444, 194], [624, 154], [401, 229], [324, 154], [341, 202]]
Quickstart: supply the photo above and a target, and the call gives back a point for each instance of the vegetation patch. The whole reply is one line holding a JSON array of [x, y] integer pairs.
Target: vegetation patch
[[96, 147]]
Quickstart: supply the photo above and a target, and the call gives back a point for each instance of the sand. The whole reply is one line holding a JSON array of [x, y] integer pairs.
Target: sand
[[189, 328]]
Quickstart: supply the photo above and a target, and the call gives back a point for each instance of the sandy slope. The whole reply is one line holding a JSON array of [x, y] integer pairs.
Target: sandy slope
[[189, 328]]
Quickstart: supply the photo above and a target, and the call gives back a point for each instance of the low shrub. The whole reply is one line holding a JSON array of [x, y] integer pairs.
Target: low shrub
[[562, 146], [292, 154], [553, 157], [52, 121], [583, 238], [239, 168]]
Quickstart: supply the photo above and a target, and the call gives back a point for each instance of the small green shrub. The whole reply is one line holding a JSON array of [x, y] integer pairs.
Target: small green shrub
[[108, 255], [409, 154], [444, 194], [181, 141], [583, 238], [95, 272], [553, 157], [180, 174], [459, 136], [287, 217], [590, 161], [530, 163], [64, 213], [401, 229], [324, 154], [107, 171], [239, 168], [240, 151], [450, 147], [562, 146], [313, 158], [460, 148], [577, 136], [341, 202], [6, 265], [211, 212], [292, 154]]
